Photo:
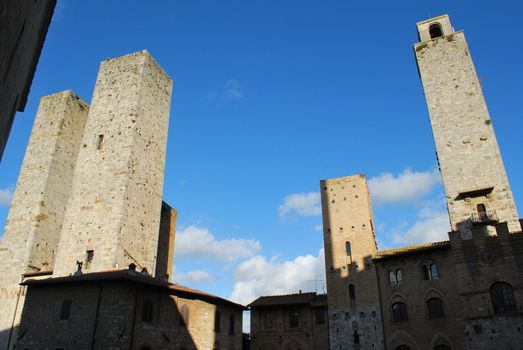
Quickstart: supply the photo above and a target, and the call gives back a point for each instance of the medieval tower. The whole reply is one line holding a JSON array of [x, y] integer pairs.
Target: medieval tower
[[34, 224], [116, 197], [348, 233], [89, 194], [476, 185]]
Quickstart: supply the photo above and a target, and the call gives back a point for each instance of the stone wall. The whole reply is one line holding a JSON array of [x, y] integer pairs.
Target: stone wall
[[480, 263], [420, 331], [468, 152], [109, 315], [22, 34], [166, 240], [34, 224], [113, 213], [278, 335]]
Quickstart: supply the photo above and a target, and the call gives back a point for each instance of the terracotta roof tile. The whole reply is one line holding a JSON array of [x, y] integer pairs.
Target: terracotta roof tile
[[133, 276], [287, 299], [410, 249]]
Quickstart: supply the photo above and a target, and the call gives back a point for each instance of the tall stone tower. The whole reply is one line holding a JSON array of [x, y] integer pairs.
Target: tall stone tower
[[112, 217], [353, 299], [34, 224], [476, 185]]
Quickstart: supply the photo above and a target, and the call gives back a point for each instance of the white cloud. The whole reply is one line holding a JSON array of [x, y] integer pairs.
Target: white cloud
[[405, 187], [304, 204], [199, 243], [432, 226], [233, 90], [192, 277], [318, 228], [259, 276], [6, 195]]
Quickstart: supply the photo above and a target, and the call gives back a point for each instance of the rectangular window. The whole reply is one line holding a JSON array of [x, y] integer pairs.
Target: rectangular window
[[65, 311], [147, 311], [320, 316], [100, 141], [231, 325], [267, 320], [294, 319], [89, 255]]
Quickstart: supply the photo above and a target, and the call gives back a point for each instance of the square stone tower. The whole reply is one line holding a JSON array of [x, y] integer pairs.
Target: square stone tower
[[476, 185], [352, 286], [112, 218], [34, 224]]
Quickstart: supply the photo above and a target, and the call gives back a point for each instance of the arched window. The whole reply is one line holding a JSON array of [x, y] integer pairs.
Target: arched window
[[184, 315], [352, 296], [435, 308], [356, 337], [442, 347], [147, 310], [502, 298], [403, 347], [482, 212], [395, 277], [399, 312], [347, 248], [217, 321], [430, 271], [231, 325], [435, 30]]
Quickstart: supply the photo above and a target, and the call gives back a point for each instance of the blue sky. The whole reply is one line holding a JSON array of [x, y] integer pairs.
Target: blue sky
[[271, 97]]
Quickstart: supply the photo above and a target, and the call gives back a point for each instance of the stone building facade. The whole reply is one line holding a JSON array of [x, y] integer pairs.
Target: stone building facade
[[87, 206], [125, 309], [289, 322], [23, 28], [464, 293]]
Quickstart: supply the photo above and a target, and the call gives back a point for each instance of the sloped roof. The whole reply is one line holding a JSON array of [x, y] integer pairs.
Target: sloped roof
[[383, 254], [136, 277], [287, 299]]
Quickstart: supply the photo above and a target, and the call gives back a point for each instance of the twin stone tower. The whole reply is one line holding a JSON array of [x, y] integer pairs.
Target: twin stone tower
[[90, 188]]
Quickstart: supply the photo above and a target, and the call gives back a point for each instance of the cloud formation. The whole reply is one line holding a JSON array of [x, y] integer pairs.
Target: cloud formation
[[199, 243], [304, 204], [258, 276], [231, 91], [405, 187], [432, 226], [192, 277], [6, 195]]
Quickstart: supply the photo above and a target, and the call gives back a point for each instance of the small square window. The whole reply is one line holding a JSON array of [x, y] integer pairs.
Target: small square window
[[65, 311]]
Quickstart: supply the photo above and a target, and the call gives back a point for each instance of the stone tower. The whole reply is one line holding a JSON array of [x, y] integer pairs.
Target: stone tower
[[112, 217], [476, 185], [34, 224], [353, 299]]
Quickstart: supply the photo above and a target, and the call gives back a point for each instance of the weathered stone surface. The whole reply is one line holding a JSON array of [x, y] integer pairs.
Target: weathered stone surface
[[34, 224], [347, 218], [115, 203], [23, 29], [468, 152]]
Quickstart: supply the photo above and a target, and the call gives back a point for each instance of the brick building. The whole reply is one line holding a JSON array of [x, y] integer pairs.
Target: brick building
[[293, 321], [464, 293], [125, 309]]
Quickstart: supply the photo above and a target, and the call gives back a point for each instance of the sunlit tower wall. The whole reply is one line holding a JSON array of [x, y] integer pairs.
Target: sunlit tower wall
[[113, 215], [34, 223], [352, 287], [476, 185]]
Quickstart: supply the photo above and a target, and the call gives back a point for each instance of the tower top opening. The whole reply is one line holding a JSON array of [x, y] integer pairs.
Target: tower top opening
[[434, 28]]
